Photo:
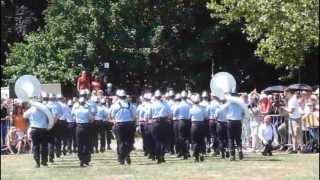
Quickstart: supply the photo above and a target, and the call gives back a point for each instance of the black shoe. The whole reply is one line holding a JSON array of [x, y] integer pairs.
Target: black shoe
[[270, 153], [227, 154], [201, 158], [86, 163], [145, 154], [209, 150], [128, 159], [232, 158], [121, 161], [223, 155], [240, 155], [51, 160], [196, 159], [109, 148], [185, 157], [44, 164], [81, 164], [64, 152], [264, 153], [163, 160], [292, 152]]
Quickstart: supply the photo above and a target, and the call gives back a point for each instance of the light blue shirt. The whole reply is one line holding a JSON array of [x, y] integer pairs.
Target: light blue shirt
[[211, 109], [82, 114], [102, 113], [158, 109], [181, 111], [66, 111], [92, 105], [141, 111], [122, 111], [220, 113], [234, 112], [36, 118], [197, 113], [55, 109]]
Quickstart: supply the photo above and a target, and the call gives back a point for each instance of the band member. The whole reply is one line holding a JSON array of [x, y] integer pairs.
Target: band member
[[221, 130], [198, 116], [123, 116], [100, 118], [211, 110], [142, 123], [39, 123], [150, 144], [181, 113], [83, 116], [158, 113], [92, 105], [71, 129], [234, 116], [62, 123]]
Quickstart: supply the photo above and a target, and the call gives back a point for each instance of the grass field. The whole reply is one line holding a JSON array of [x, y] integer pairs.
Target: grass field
[[104, 166]]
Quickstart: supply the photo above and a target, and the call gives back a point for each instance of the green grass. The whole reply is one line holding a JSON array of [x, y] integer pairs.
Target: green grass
[[105, 166]]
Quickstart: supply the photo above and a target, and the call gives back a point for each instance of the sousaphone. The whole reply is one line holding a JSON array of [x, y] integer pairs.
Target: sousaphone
[[222, 84], [27, 89]]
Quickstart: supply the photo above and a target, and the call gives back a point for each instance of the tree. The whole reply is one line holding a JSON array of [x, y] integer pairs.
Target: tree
[[285, 31]]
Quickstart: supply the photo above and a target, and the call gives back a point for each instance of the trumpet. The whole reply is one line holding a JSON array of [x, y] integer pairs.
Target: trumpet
[[27, 89]]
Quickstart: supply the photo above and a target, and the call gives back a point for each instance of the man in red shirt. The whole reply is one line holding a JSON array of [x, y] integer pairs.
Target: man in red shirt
[[83, 82], [96, 83]]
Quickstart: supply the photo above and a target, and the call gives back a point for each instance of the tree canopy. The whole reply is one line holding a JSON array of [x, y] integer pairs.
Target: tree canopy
[[285, 31], [147, 43]]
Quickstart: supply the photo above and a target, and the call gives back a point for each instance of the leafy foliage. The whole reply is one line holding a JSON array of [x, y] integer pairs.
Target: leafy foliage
[[285, 30]]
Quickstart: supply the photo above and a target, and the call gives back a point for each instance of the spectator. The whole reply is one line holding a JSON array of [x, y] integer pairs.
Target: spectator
[[13, 141], [83, 82], [4, 121], [268, 135], [17, 119], [96, 84], [293, 110]]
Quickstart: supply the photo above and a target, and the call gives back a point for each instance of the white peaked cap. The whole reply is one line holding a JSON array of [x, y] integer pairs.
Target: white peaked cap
[[44, 94], [82, 92], [204, 94], [178, 96], [103, 100], [52, 95], [69, 103], [109, 85], [171, 93], [184, 94], [157, 93], [94, 98], [59, 96], [166, 94], [147, 96], [81, 99], [121, 93], [195, 98]]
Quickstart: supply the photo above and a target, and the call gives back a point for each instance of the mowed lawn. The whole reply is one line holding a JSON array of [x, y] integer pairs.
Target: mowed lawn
[[105, 166]]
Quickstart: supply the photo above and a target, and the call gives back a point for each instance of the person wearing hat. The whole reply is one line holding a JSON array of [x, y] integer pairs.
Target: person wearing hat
[[181, 113], [204, 103], [212, 123], [63, 124], [100, 118], [71, 128], [109, 91], [108, 124], [221, 127], [175, 122], [158, 114], [55, 108], [149, 142], [142, 122], [170, 102], [83, 117], [198, 116], [38, 122], [234, 115], [123, 115], [92, 105]]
